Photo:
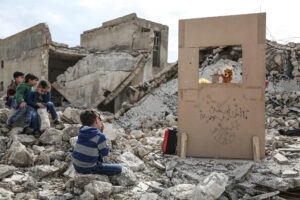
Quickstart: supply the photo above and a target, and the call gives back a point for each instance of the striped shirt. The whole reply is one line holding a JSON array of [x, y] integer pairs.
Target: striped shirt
[[90, 148]]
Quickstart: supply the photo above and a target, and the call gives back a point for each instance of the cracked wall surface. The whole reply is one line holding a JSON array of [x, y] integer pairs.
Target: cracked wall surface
[[128, 32], [98, 76], [26, 52]]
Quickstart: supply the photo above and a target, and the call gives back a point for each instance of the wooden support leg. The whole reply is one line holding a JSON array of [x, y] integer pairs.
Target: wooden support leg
[[183, 145], [256, 149]]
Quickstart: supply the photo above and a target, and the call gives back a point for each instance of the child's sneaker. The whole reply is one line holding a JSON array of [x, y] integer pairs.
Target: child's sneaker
[[56, 122], [8, 126], [27, 130], [36, 134]]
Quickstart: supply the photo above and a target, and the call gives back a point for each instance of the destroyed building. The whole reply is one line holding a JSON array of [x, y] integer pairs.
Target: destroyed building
[[123, 52]]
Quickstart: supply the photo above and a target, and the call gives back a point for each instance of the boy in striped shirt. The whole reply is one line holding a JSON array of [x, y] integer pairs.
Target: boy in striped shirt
[[91, 147]]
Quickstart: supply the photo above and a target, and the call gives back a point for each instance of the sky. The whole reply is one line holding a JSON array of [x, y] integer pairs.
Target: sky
[[67, 19]]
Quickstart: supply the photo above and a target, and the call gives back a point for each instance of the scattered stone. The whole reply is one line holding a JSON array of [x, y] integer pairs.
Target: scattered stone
[[43, 159], [24, 139], [137, 134], [117, 189], [41, 171], [171, 165], [19, 156], [212, 188], [4, 115], [112, 133], [6, 194], [6, 170], [158, 165], [51, 136], [152, 141], [87, 196], [281, 159], [241, 172], [70, 173], [45, 194], [290, 173], [3, 142], [81, 180], [73, 141], [142, 151], [155, 186], [57, 155], [70, 131], [126, 178], [71, 115], [99, 189], [15, 131], [130, 160], [181, 191], [149, 196]]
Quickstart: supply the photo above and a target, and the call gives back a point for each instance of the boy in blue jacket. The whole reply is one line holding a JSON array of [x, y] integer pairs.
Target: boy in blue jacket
[[40, 98], [91, 147]]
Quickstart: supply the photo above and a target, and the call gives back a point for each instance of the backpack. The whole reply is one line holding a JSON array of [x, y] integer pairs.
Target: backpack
[[170, 141]]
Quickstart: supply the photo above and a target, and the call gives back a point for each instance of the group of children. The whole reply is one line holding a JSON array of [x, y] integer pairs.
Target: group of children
[[90, 148], [25, 99]]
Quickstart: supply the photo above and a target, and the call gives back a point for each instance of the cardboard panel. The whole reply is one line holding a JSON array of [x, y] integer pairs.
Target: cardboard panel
[[221, 119]]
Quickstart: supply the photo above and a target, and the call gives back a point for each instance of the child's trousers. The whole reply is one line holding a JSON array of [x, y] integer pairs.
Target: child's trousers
[[102, 168]]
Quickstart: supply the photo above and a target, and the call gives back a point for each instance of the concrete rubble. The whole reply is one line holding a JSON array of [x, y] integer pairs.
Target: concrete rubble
[[41, 168]]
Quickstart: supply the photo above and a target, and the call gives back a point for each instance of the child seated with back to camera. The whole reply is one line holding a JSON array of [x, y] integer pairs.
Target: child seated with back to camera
[[91, 147]]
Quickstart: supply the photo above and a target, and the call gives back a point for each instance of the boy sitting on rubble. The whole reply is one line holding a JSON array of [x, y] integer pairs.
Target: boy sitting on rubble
[[11, 89], [40, 98], [19, 103], [91, 147]]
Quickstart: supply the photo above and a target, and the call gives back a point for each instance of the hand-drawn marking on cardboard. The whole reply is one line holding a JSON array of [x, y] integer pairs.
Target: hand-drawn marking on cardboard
[[228, 116]]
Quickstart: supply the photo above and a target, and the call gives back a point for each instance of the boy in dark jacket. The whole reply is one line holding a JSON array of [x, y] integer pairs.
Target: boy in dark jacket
[[11, 89], [40, 98], [91, 147], [19, 103]]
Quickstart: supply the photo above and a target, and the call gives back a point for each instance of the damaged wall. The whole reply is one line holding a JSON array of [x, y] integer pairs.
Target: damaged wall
[[128, 32], [26, 52], [104, 74], [99, 76]]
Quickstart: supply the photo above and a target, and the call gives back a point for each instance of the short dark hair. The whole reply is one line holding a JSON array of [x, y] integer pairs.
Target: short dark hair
[[43, 84], [89, 116], [30, 77], [18, 74]]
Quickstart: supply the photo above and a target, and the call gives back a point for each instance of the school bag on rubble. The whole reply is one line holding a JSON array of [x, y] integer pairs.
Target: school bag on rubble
[[170, 141]]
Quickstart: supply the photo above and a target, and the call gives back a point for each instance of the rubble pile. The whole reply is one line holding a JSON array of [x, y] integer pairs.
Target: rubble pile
[[40, 168], [282, 67]]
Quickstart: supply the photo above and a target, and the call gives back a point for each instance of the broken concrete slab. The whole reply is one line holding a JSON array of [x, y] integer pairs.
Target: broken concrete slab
[[290, 173], [93, 78], [241, 172], [281, 159], [6, 170], [212, 188]]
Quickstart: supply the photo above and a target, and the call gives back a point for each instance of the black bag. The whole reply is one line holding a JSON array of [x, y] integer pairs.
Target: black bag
[[170, 141]]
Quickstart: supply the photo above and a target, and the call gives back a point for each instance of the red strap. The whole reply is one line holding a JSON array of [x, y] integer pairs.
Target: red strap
[[165, 140]]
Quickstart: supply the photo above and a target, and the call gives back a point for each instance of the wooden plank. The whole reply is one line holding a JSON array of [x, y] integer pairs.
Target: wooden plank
[[256, 150], [183, 145], [264, 196]]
